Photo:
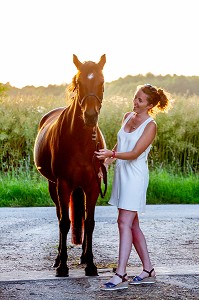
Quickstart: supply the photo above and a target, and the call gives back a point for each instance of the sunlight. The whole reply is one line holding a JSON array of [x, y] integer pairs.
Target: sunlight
[[40, 37]]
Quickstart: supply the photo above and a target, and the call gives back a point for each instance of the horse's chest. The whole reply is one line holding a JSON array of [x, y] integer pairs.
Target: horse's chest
[[76, 166], [79, 174]]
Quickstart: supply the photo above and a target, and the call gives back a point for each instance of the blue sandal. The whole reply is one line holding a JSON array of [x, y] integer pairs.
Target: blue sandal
[[139, 280], [109, 286]]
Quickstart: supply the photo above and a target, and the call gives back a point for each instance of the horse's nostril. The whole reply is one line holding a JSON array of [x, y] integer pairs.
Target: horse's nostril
[[90, 120], [92, 116]]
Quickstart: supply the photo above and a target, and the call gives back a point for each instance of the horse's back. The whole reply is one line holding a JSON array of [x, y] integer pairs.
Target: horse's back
[[51, 116]]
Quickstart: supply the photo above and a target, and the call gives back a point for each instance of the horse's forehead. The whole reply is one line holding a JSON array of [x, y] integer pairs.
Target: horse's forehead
[[91, 74]]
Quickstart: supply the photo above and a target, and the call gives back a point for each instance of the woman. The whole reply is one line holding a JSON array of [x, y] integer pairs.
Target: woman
[[131, 181]]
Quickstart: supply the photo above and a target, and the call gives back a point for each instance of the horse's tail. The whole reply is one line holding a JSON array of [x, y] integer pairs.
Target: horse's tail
[[77, 215]]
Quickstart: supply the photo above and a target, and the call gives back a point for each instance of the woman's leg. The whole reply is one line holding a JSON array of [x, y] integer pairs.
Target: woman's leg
[[140, 245], [125, 221]]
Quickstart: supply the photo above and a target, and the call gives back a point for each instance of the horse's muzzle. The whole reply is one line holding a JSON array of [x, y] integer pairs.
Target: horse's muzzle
[[90, 120]]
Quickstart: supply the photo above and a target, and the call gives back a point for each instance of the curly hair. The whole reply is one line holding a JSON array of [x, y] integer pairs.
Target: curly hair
[[159, 98]]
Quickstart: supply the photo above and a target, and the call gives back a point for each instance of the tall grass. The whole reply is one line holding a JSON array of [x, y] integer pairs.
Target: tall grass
[[19, 120], [175, 147], [177, 142]]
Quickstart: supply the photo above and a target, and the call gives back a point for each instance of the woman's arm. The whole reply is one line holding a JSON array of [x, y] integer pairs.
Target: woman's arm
[[142, 144]]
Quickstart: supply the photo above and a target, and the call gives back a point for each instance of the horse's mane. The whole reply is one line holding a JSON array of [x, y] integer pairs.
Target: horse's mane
[[72, 86], [71, 90]]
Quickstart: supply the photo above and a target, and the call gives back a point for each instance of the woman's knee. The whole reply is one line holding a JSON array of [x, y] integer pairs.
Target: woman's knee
[[122, 224], [125, 220], [136, 226]]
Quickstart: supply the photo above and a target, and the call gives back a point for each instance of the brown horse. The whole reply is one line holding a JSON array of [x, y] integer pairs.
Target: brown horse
[[63, 153]]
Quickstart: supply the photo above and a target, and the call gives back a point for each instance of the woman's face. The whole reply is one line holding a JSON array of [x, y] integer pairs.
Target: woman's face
[[140, 103]]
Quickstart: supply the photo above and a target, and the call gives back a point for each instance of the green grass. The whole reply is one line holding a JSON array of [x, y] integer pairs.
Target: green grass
[[23, 191], [165, 187], [31, 189]]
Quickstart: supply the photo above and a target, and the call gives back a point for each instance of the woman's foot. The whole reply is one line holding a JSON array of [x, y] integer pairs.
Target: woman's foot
[[144, 277], [117, 282]]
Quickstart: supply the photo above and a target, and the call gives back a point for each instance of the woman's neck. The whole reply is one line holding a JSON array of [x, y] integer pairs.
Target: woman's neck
[[141, 116]]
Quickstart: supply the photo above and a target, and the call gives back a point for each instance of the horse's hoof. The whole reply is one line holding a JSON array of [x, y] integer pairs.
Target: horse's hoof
[[91, 271], [62, 272]]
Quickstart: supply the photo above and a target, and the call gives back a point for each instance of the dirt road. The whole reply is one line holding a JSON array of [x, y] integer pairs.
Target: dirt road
[[28, 246]]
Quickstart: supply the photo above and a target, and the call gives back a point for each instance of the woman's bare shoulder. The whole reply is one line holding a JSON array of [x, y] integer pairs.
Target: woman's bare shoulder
[[126, 115], [151, 127]]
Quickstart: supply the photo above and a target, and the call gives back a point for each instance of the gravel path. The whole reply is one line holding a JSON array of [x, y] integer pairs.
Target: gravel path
[[28, 246]]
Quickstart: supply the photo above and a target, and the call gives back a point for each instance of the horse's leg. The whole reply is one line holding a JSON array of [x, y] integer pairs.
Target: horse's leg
[[52, 187], [64, 226], [89, 224]]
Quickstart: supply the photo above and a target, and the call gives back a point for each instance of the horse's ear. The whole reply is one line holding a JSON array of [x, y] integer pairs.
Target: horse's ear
[[102, 61], [76, 62]]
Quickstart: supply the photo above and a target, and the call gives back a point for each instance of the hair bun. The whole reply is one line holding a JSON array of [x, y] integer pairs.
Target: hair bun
[[163, 103]]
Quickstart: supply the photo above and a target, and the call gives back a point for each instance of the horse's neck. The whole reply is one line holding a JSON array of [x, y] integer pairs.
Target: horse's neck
[[71, 124], [74, 119]]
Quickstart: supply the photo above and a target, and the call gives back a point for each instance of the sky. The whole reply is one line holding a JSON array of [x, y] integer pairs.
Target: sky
[[39, 38]]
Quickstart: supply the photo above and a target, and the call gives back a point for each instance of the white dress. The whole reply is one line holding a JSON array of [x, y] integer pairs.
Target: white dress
[[131, 177]]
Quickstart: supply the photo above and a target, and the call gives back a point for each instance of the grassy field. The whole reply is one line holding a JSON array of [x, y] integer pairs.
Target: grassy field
[[173, 160]]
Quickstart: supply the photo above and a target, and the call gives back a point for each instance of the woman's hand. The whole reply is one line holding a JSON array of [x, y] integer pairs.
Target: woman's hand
[[103, 153]]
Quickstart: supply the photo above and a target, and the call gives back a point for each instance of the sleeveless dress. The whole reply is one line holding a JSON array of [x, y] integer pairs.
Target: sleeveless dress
[[131, 177]]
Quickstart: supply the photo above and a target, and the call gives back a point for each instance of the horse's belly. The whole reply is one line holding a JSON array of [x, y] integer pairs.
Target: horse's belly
[[42, 157], [80, 175]]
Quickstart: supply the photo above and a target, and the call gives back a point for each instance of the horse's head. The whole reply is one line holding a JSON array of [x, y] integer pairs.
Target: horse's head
[[89, 85]]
